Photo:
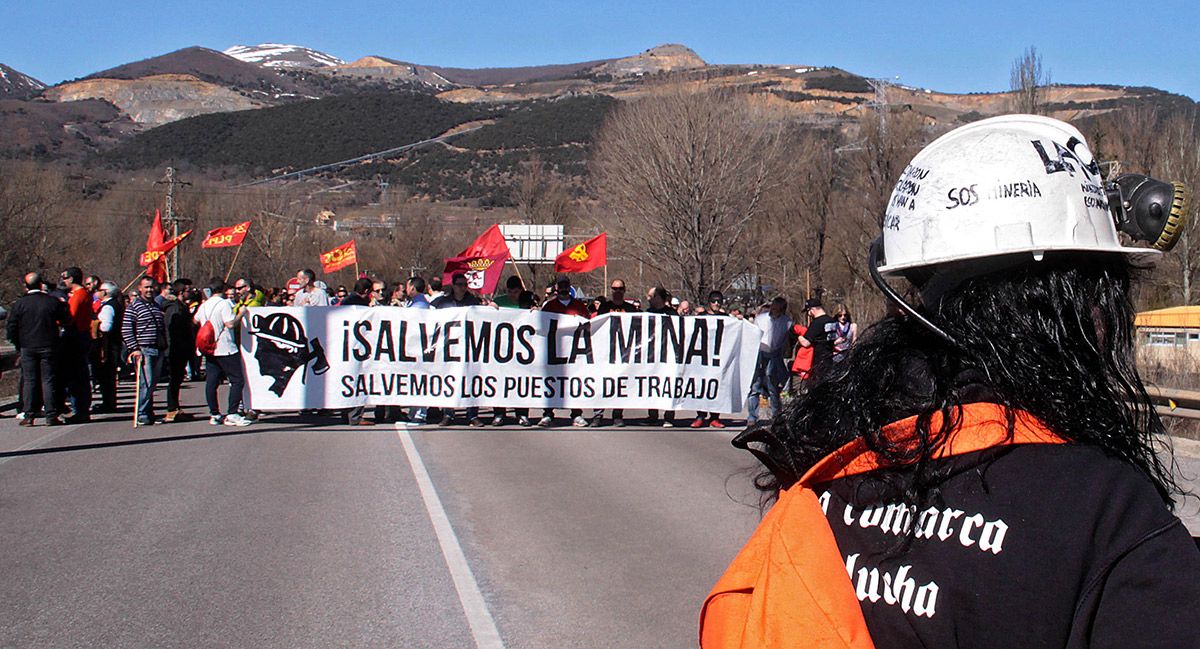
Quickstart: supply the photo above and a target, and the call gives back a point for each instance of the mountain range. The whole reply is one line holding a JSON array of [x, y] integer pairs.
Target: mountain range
[[140, 113]]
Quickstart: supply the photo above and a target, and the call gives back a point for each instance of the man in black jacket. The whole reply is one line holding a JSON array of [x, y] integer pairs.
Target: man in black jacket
[[33, 328], [181, 342], [360, 295]]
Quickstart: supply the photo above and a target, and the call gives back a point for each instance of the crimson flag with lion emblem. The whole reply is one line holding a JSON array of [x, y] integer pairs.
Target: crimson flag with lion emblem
[[483, 272]]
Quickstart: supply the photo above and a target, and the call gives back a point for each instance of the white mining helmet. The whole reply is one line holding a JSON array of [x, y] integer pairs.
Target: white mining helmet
[[1012, 185], [1009, 184]]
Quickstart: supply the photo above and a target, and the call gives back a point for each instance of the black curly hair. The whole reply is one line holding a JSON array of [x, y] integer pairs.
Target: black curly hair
[[1053, 338]]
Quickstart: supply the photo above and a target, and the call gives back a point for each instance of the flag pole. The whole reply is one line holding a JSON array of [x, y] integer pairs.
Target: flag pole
[[139, 276], [517, 267], [231, 264]]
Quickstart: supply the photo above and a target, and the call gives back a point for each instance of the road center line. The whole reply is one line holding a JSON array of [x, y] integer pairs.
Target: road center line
[[483, 627]]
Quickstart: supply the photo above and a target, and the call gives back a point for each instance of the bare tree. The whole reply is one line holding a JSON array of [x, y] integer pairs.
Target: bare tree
[[540, 196], [1028, 81], [33, 232], [793, 238], [887, 142], [1131, 136], [684, 175]]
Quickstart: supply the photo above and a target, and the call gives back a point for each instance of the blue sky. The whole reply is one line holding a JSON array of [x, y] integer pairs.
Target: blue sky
[[960, 46]]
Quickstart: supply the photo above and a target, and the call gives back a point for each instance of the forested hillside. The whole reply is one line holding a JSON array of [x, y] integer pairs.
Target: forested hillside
[[295, 136]]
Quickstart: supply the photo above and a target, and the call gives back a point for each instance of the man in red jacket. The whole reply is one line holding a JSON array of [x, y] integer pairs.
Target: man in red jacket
[[563, 302], [77, 340]]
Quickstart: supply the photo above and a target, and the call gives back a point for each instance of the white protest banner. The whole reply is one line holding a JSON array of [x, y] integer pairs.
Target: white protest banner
[[340, 357]]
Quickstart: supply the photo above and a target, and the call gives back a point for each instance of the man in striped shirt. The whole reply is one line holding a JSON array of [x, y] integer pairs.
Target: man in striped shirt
[[145, 336]]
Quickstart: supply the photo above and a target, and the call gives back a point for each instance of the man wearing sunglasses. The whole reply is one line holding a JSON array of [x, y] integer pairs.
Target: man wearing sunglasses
[[618, 304], [460, 296], [562, 301]]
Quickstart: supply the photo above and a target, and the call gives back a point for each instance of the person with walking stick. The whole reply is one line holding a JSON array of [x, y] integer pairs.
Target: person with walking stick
[[144, 332]]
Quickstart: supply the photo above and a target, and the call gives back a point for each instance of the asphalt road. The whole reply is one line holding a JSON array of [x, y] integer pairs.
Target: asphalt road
[[286, 534]]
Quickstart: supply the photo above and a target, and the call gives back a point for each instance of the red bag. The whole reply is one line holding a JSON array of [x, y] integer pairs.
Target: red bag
[[206, 339]]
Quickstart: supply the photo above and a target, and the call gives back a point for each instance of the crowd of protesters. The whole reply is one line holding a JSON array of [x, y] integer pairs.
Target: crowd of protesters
[[77, 337]]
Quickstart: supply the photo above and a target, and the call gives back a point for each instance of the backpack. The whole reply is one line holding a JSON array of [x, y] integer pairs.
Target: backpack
[[206, 339]]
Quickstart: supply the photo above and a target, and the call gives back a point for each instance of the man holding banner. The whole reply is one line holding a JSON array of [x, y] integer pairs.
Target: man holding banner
[[460, 296], [563, 303], [511, 300], [248, 294], [414, 291], [309, 294]]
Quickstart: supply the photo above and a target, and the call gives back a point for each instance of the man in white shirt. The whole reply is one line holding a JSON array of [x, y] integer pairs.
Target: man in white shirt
[[108, 347], [775, 326], [225, 360], [309, 293], [414, 289]]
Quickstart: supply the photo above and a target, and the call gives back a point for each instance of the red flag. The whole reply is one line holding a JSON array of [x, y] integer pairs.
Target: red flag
[[158, 252], [156, 237], [489, 244], [483, 271], [340, 257], [226, 237], [155, 258], [589, 255], [157, 267]]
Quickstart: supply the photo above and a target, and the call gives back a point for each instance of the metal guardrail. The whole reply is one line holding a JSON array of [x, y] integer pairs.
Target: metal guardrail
[[1181, 398], [1175, 403]]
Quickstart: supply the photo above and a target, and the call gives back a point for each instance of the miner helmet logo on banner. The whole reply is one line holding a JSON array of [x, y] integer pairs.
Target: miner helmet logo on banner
[[282, 347]]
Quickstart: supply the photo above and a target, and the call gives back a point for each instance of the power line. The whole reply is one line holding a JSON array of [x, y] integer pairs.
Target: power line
[[171, 183]]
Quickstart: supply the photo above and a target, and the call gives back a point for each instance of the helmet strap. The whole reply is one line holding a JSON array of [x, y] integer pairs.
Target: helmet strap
[[882, 285]]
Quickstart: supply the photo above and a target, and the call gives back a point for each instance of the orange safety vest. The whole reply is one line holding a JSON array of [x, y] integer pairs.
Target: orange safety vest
[[788, 586]]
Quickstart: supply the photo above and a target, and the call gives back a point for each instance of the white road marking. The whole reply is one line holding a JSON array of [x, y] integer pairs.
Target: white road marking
[[41, 441], [483, 627]]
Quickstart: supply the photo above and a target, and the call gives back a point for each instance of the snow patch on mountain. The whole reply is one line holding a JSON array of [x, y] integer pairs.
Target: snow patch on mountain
[[15, 84], [279, 55]]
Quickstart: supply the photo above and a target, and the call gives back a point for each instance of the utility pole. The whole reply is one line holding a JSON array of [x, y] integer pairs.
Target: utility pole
[[171, 182]]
